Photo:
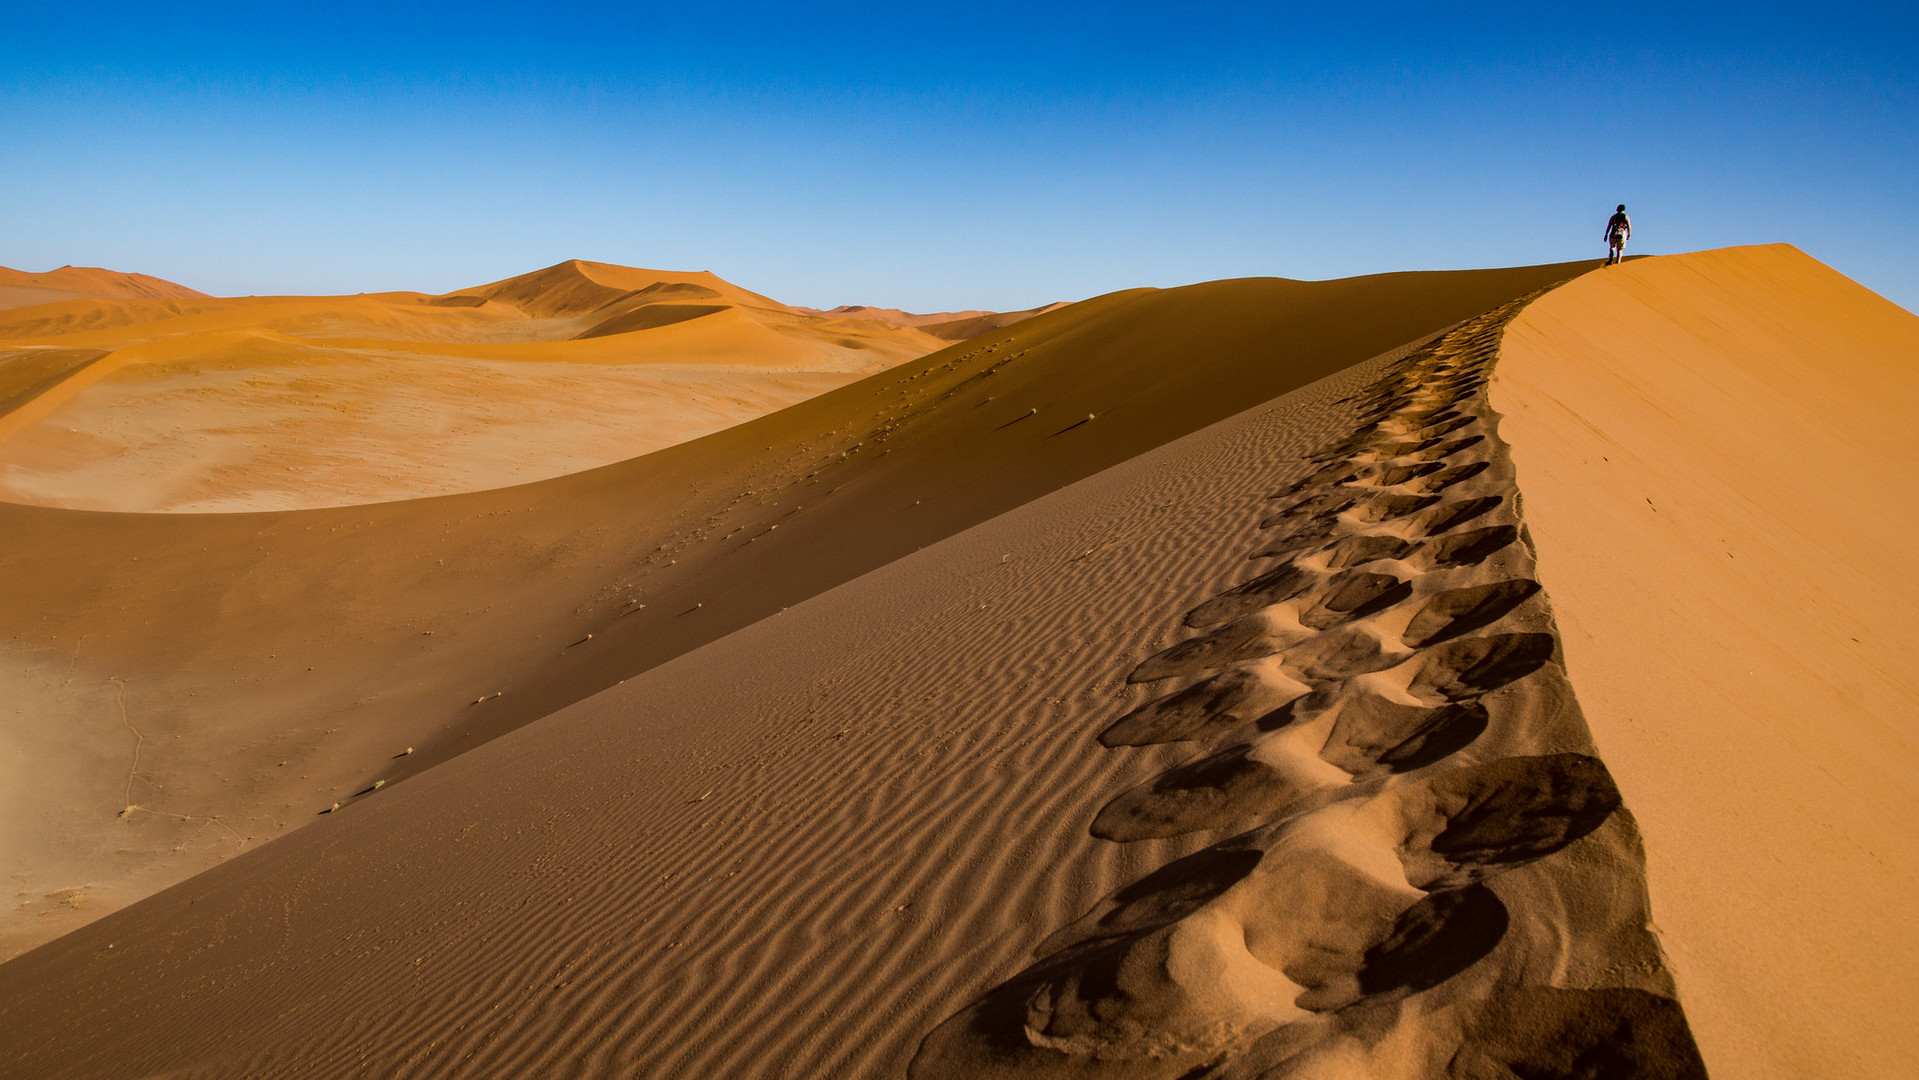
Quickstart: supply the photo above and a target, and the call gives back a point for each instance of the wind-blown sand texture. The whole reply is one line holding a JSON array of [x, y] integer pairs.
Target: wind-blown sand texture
[[865, 739], [145, 399], [219, 646]]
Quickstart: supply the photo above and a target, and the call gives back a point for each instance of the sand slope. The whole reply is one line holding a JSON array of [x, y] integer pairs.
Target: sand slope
[[21, 289], [1716, 455], [948, 325], [192, 404], [817, 845], [333, 639]]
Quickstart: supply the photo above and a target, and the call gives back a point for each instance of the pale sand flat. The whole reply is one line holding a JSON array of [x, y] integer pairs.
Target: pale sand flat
[[176, 402]]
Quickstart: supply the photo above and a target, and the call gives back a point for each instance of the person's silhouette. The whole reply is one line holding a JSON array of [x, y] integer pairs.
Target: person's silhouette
[[1618, 231]]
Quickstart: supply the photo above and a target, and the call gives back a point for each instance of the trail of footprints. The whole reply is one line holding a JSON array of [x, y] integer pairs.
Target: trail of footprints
[[1384, 734]]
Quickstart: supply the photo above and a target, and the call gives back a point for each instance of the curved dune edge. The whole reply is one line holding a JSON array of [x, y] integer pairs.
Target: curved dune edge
[[193, 404], [804, 848], [179, 688], [1425, 870], [1716, 454]]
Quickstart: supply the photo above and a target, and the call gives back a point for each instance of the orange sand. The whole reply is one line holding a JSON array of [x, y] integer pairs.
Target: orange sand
[[1717, 463], [191, 404], [21, 289], [865, 738]]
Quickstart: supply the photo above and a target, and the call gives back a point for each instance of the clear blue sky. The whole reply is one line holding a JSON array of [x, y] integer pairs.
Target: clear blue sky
[[984, 155]]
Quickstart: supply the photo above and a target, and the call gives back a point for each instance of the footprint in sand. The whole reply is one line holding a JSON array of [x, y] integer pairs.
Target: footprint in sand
[[1294, 628], [1360, 900], [1374, 725], [1341, 700]]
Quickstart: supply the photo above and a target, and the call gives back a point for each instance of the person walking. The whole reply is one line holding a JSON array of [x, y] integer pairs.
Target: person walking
[[1618, 231]]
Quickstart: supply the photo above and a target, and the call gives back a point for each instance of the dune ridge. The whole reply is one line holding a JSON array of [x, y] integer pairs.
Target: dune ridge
[[1427, 872], [947, 325], [331, 639], [836, 825], [1715, 452], [192, 404], [19, 288]]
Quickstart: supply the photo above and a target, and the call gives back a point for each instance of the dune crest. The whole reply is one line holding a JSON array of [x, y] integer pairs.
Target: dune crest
[[1418, 838], [21, 289], [1715, 452], [947, 325], [1444, 675], [176, 402], [442, 623]]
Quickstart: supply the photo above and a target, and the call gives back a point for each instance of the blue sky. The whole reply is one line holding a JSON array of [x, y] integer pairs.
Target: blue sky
[[987, 155]]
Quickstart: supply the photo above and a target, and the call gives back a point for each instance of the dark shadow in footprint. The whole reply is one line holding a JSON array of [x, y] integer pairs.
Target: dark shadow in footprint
[[1327, 655], [1449, 614], [1510, 811], [1549, 1033], [1248, 637], [1305, 537], [1438, 428], [1395, 475], [1273, 587], [1373, 736], [1454, 474], [1322, 504], [1161, 898], [1332, 655], [1338, 472], [1353, 595], [1462, 549], [1468, 667], [1221, 790], [1434, 940], [1440, 453], [1388, 507], [1229, 789], [1452, 515], [1211, 705], [1365, 548]]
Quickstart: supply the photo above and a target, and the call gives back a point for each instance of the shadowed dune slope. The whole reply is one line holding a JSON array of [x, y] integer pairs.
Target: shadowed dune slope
[[827, 843], [162, 668], [1716, 452]]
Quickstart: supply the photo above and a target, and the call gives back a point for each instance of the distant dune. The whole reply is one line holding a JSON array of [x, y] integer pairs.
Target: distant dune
[[1440, 674], [21, 289], [948, 325], [144, 398]]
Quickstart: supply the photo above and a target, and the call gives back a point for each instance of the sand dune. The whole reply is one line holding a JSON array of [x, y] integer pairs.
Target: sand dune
[[21, 289], [1715, 454], [193, 404], [1170, 685], [948, 325], [830, 843], [409, 612]]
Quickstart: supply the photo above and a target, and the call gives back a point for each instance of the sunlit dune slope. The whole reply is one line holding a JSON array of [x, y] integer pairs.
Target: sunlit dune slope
[[1716, 454], [1250, 754], [332, 639], [259, 403], [950, 325], [21, 289]]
